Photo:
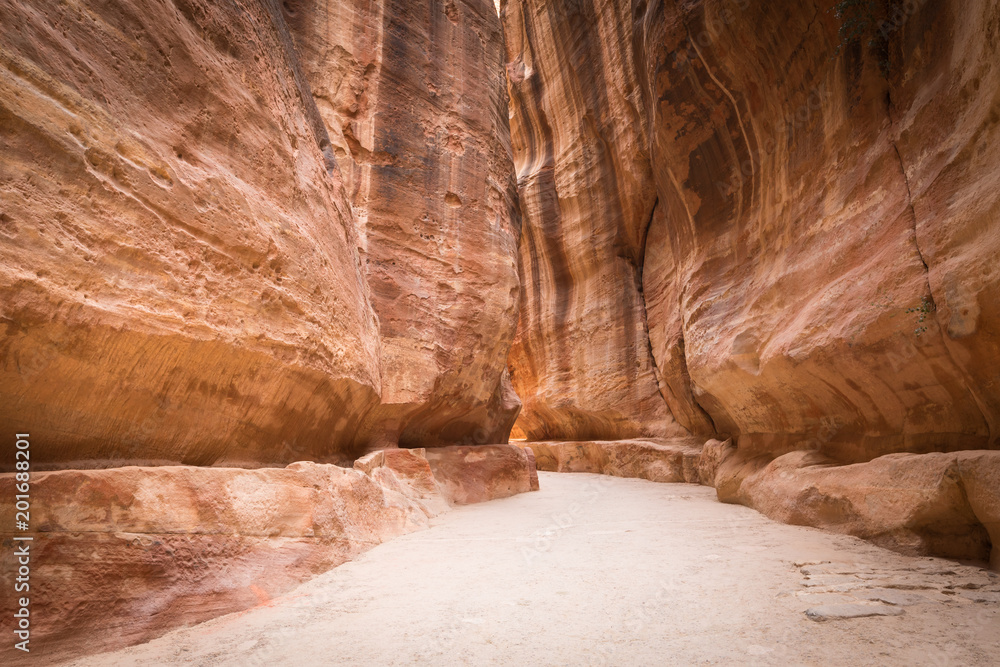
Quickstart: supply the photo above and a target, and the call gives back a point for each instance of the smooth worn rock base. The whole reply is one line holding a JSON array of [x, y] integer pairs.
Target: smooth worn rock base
[[124, 555]]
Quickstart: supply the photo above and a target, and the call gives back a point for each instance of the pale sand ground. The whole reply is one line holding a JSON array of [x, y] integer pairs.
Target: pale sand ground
[[600, 570]]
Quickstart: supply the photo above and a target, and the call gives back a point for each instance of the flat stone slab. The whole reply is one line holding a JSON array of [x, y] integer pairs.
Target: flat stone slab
[[989, 597], [835, 612], [824, 580], [893, 597]]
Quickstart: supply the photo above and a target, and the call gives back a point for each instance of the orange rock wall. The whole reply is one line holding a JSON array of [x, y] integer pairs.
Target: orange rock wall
[[250, 235], [581, 361], [818, 270], [415, 99], [179, 278]]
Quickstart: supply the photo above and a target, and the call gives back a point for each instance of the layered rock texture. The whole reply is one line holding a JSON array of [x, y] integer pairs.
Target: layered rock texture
[[242, 235], [414, 96], [222, 244], [125, 554], [246, 235], [784, 218], [808, 222], [581, 362], [180, 280]]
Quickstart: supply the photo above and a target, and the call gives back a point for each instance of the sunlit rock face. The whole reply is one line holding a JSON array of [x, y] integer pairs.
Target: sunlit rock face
[[818, 230], [414, 97], [581, 362], [179, 275]]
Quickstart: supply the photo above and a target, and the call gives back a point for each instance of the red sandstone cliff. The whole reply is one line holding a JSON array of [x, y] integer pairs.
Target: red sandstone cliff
[[251, 234], [187, 273], [415, 99], [814, 237]]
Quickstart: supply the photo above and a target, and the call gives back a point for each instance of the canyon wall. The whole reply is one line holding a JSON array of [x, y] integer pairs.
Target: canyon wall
[[581, 361], [416, 103], [242, 235], [179, 274], [250, 235], [813, 224]]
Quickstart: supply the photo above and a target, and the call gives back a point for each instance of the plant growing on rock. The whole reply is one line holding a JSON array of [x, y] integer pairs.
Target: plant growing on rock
[[872, 21], [925, 308]]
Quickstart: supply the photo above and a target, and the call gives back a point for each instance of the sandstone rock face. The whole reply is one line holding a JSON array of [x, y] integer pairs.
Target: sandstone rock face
[[581, 361], [414, 96], [713, 453], [804, 205], [812, 235], [179, 279], [122, 555], [473, 474], [674, 460], [188, 276], [942, 504]]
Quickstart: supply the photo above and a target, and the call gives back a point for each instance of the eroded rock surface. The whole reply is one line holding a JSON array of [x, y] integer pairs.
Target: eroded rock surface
[[581, 362], [912, 503], [416, 102], [123, 555], [179, 275], [476, 473], [252, 235], [810, 234]]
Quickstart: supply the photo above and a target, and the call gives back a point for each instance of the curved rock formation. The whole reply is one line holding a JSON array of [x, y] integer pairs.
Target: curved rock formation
[[179, 278], [805, 198], [188, 277], [816, 270], [416, 103], [581, 361]]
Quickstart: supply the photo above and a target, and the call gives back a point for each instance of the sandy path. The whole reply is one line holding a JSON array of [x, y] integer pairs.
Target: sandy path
[[601, 570]]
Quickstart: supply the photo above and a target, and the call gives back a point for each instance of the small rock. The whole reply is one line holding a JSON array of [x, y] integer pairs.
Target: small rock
[[833, 612]]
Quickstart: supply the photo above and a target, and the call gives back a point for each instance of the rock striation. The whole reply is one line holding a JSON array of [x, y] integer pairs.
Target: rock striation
[[695, 246], [235, 236], [581, 361], [811, 237], [414, 97], [247, 236], [179, 279]]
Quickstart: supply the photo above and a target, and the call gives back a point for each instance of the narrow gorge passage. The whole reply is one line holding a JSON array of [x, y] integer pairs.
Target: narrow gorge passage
[[298, 297], [600, 570]]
